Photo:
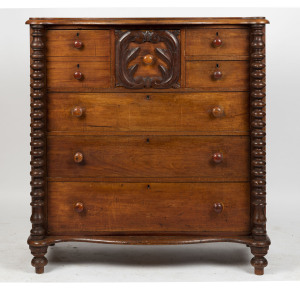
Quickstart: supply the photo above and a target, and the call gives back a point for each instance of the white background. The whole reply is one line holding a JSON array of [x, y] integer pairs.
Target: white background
[[207, 262]]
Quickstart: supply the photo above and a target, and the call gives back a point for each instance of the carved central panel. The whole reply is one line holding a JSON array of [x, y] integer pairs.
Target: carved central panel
[[146, 59]]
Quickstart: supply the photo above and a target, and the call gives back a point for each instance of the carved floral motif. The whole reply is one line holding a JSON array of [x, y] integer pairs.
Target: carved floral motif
[[169, 73]]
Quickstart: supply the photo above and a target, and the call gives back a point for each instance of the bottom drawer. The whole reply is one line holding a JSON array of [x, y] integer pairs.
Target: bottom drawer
[[141, 208]]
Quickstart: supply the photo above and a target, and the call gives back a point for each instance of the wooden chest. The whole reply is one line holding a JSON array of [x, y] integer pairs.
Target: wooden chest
[[148, 131]]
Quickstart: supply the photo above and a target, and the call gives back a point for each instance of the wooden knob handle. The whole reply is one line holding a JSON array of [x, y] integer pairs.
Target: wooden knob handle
[[148, 59], [217, 42], [78, 44], [78, 157], [77, 111], [217, 158], [217, 111], [78, 75], [218, 207], [78, 207], [217, 74]]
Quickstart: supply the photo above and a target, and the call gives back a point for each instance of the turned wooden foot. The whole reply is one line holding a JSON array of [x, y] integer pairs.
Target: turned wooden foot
[[39, 260], [259, 262]]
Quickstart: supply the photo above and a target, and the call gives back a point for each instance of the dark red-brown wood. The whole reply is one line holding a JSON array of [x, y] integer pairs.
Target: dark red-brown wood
[[38, 145], [258, 147], [132, 45], [128, 113], [148, 21], [150, 157], [148, 208], [171, 143]]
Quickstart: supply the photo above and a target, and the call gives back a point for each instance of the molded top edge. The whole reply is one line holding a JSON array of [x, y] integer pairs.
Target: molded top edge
[[147, 21]]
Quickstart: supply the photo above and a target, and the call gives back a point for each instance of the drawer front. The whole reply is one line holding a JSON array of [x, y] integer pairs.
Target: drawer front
[[74, 75], [112, 208], [148, 58], [112, 112], [155, 156], [218, 75], [78, 43], [215, 42]]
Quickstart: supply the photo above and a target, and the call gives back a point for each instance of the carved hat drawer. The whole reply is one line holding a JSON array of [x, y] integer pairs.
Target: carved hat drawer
[[213, 158], [218, 75], [78, 74], [148, 58], [217, 112], [78, 43], [93, 207], [217, 42]]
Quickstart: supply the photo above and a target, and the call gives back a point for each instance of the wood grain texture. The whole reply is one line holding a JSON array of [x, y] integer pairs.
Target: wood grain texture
[[141, 112], [142, 156], [235, 42], [148, 21], [150, 207], [156, 166], [235, 75], [78, 59], [94, 43], [61, 75]]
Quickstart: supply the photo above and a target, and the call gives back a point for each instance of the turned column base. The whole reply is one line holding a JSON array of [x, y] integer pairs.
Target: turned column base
[[259, 262], [39, 261]]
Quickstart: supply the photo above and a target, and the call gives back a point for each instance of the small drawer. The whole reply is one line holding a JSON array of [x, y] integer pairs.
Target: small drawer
[[70, 75], [218, 75], [91, 208], [213, 158], [78, 43], [204, 113], [217, 42]]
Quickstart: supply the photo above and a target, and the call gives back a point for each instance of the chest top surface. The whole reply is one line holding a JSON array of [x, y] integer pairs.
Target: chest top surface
[[148, 21]]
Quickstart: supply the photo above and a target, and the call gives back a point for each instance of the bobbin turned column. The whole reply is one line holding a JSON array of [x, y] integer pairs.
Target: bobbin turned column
[[38, 146], [258, 148]]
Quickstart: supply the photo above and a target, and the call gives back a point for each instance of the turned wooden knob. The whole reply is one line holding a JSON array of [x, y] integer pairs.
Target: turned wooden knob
[[217, 158], [217, 42], [78, 207], [78, 75], [218, 207], [217, 111], [148, 59], [217, 74], [78, 157], [77, 111], [78, 44]]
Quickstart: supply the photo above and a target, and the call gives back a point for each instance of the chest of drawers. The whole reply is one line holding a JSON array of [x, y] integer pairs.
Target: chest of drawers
[[148, 131]]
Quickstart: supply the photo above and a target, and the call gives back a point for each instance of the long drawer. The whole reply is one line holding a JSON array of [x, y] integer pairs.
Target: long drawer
[[116, 208], [133, 112], [155, 156]]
